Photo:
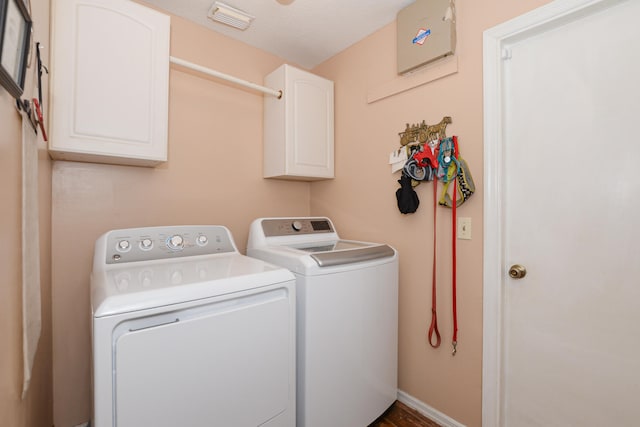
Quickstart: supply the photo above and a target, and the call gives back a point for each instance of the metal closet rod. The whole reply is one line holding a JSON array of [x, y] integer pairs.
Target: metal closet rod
[[227, 77]]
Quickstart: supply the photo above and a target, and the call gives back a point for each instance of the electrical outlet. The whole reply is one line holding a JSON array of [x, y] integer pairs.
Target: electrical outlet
[[464, 228]]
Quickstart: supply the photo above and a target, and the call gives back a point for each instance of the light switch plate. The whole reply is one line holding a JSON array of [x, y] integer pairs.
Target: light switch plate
[[464, 228]]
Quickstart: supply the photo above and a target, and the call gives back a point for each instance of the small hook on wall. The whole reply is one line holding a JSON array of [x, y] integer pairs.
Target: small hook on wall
[[34, 113]]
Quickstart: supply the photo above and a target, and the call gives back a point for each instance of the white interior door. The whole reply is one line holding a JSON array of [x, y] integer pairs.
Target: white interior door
[[568, 333]]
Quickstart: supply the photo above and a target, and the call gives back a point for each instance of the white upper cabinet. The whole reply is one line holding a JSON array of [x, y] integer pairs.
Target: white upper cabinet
[[298, 128], [109, 82]]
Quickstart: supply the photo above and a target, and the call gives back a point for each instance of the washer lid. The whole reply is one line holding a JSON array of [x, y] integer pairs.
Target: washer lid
[[311, 246], [316, 258], [327, 254], [150, 284]]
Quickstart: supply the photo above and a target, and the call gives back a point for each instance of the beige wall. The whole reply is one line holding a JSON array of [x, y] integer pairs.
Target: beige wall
[[214, 176], [361, 200], [36, 409]]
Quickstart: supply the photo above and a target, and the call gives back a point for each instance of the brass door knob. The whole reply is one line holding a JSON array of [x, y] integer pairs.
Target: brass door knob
[[517, 271]]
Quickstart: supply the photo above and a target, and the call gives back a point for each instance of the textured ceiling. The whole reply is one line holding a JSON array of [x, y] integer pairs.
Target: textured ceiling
[[306, 32]]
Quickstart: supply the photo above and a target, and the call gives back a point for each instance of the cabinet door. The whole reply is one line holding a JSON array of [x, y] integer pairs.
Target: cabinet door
[[109, 92], [309, 124], [298, 138]]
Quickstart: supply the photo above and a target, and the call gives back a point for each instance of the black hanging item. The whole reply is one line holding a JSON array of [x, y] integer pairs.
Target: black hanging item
[[408, 201], [39, 71], [34, 109], [26, 107]]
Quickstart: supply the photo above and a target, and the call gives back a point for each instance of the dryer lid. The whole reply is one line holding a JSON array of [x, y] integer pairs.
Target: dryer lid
[[151, 284]]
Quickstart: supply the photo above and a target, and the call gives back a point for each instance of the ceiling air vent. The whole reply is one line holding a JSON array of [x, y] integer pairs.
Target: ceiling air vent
[[231, 16]]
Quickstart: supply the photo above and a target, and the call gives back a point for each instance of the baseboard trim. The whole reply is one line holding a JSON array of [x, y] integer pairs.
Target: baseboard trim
[[428, 411]]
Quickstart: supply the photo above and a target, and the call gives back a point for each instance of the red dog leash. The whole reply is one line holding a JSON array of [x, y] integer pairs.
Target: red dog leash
[[433, 328], [434, 317], [453, 272]]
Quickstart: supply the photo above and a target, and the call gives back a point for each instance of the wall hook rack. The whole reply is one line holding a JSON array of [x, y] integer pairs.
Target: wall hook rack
[[422, 132]]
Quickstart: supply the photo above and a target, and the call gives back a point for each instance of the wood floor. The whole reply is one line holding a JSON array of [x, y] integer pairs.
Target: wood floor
[[400, 415]]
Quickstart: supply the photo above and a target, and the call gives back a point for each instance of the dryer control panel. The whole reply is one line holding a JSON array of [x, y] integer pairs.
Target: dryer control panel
[[292, 226], [150, 243]]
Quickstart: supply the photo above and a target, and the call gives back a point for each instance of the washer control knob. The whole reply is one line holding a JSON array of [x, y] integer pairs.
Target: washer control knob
[[175, 242], [296, 225], [146, 244], [202, 240], [123, 245]]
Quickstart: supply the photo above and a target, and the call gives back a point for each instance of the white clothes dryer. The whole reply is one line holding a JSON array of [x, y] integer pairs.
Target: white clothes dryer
[[347, 333], [188, 332]]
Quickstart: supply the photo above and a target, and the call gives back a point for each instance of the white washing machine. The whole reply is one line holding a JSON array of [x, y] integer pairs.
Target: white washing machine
[[188, 332], [347, 299]]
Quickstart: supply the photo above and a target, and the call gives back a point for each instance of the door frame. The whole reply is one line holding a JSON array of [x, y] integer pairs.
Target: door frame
[[496, 42]]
